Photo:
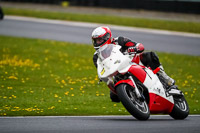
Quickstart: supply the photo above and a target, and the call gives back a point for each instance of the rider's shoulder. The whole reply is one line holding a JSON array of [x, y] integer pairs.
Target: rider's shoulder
[[118, 39], [121, 40], [115, 39]]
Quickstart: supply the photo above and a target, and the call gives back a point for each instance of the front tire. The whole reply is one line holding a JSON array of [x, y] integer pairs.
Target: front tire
[[136, 107], [181, 109]]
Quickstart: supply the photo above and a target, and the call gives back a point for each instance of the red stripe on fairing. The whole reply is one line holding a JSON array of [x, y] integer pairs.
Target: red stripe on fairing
[[158, 104], [127, 81], [136, 59], [138, 72], [156, 70]]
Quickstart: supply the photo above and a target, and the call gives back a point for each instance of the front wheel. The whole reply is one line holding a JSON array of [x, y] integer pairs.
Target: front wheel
[[135, 106], [181, 109]]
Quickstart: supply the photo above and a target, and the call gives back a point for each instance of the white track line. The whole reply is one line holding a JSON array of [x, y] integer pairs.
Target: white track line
[[94, 25], [107, 116]]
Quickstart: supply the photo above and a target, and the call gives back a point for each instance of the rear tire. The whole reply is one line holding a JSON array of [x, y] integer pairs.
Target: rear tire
[[136, 107], [181, 109]]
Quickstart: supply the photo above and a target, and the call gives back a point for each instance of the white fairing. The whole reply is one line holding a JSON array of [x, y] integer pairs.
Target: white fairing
[[154, 85], [112, 61]]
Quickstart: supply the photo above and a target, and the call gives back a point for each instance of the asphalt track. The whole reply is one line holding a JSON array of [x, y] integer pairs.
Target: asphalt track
[[78, 32], [98, 124]]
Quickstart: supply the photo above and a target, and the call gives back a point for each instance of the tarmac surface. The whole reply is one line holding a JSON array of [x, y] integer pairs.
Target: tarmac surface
[[98, 124], [78, 32]]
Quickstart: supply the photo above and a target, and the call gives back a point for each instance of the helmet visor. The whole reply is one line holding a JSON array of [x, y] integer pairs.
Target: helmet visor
[[100, 40]]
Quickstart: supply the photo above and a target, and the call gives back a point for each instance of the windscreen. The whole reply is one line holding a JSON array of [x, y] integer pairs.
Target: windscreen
[[106, 52]]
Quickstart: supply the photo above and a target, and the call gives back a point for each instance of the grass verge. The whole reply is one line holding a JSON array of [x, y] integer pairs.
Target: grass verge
[[42, 77], [193, 27]]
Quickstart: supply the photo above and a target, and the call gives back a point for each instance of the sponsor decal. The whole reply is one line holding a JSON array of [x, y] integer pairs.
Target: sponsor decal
[[158, 91], [117, 61], [103, 71]]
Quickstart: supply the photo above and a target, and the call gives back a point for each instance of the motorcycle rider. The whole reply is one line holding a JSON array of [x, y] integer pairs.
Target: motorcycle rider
[[102, 35]]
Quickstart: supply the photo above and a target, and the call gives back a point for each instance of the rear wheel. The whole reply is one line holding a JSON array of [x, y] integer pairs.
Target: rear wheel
[[181, 109], [135, 106]]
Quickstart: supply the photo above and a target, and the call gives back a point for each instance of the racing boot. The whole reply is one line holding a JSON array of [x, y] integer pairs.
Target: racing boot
[[168, 80]]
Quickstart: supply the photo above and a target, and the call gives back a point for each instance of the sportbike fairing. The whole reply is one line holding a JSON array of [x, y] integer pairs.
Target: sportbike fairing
[[111, 60], [105, 52]]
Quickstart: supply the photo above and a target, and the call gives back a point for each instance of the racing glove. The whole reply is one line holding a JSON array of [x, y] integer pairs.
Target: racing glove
[[132, 50], [136, 49]]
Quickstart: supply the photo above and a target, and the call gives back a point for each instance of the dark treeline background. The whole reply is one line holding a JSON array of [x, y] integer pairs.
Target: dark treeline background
[[185, 6]]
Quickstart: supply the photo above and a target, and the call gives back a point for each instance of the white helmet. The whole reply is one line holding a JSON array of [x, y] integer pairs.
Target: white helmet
[[101, 36]]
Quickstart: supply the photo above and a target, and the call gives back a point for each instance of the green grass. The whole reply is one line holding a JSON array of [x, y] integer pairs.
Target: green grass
[[42, 77], [193, 27]]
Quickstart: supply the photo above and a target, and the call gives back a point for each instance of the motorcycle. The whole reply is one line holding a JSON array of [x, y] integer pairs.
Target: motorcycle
[[141, 91]]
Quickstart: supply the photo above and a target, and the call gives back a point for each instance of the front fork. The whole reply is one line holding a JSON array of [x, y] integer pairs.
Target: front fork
[[139, 96], [137, 92]]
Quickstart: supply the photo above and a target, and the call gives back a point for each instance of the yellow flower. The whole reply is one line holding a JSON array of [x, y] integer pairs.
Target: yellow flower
[[81, 88], [29, 109], [15, 61], [46, 51], [55, 95], [189, 77], [10, 88], [72, 95], [66, 61], [52, 107], [66, 93], [92, 82], [12, 77], [63, 81], [23, 81], [96, 78]]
